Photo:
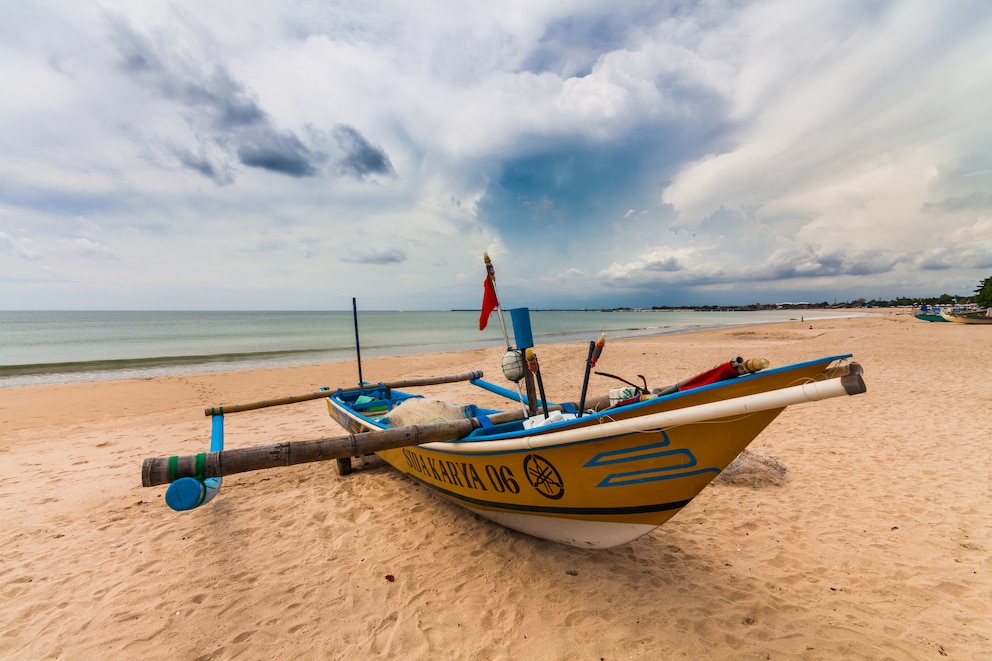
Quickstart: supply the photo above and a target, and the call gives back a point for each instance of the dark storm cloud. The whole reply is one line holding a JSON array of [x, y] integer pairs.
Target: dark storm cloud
[[224, 113], [360, 158], [278, 152]]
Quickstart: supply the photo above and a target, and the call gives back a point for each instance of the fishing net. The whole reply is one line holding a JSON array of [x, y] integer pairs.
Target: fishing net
[[753, 470], [422, 411]]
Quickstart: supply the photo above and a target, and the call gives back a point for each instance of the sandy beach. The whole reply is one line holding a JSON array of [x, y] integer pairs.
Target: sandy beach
[[878, 546]]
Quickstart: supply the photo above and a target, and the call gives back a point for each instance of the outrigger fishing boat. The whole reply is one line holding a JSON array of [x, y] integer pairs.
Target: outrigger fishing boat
[[602, 479], [928, 313], [593, 474], [972, 317]]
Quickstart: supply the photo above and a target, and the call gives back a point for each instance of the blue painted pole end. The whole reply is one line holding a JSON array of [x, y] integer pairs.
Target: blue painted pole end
[[188, 493]]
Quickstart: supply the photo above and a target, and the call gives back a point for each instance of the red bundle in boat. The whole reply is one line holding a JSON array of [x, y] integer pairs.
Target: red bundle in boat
[[728, 370], [721, 372]]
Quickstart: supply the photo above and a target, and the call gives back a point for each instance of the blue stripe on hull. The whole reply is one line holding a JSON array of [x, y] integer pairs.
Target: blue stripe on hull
[[546, 509]]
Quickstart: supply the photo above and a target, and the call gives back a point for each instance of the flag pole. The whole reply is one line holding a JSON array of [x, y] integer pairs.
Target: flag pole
[[491, 274], [491, 282]]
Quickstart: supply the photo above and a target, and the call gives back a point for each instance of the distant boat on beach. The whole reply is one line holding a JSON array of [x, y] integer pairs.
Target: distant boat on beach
[[928, 313], [975, 317]]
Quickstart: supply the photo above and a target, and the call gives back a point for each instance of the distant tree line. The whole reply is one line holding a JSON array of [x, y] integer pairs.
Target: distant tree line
[[982, 298]]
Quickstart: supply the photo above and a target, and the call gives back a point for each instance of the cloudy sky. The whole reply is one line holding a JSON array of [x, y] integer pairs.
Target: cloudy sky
[[292, 155]]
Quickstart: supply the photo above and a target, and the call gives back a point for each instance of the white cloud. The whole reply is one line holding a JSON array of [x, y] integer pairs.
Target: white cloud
[[846, 112], [22, 248], [92, 249]]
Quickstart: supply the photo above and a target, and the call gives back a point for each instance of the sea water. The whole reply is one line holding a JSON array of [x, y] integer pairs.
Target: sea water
[[46, 347]]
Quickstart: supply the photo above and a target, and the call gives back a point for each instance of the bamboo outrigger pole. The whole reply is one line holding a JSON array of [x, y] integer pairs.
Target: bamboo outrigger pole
[[194, 487], [293, 399], [163, 470]]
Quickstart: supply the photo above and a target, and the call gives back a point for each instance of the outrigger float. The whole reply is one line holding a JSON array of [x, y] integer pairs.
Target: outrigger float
[[591, 474]]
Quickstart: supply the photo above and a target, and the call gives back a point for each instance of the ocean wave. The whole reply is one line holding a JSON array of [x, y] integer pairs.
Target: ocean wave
[[154, 362]]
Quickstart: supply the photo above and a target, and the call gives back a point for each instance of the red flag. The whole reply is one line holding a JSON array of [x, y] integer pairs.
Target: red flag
[[489, 302]]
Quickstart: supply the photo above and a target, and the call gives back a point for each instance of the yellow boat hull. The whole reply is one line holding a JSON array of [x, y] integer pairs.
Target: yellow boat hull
[[604, 479], [634, 483]]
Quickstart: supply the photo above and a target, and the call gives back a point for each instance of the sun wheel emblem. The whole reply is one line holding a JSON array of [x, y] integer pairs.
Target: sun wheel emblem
[[543, 477]]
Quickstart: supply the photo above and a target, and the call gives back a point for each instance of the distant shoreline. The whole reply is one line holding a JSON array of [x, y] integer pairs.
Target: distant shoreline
[[705, 308]]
